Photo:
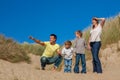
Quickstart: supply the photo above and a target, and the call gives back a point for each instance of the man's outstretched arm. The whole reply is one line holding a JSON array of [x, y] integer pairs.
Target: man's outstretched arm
[[37, 41]]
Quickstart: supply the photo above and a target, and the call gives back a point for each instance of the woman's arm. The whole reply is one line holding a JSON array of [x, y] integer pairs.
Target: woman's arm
[[102, 21], [37, 41], [89, 47]]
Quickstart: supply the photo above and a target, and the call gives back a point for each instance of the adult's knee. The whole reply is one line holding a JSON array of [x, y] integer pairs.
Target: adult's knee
[[96, 60], [43, 59]]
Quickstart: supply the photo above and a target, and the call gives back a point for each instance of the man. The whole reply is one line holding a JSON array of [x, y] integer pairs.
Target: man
[[49, 55]]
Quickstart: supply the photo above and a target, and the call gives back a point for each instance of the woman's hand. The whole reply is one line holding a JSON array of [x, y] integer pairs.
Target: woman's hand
[[89, 47], [95, 18]]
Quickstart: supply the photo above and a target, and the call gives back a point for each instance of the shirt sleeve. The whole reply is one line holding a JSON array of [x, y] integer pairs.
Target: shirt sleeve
[[74, 43], [85, 43], [99, 25], [58, 48], [72, 50], [46, 43]]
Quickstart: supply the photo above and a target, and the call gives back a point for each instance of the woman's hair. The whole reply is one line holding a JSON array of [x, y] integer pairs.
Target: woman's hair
[[68, 43], [79, 32], [96, 21]]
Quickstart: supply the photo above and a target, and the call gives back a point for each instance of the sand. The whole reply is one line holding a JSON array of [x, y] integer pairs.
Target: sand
[[110, 59]]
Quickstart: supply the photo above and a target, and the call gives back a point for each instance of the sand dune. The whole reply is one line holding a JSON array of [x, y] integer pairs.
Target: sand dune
[[110, 58]]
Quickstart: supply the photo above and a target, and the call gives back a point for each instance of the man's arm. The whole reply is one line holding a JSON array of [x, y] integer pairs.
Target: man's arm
[[59, 52], [37, 41]]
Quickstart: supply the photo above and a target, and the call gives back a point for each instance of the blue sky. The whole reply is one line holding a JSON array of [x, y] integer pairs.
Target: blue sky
[[40, 18]]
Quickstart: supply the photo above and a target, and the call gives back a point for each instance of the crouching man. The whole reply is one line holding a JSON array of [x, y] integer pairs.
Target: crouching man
[[51, 54]]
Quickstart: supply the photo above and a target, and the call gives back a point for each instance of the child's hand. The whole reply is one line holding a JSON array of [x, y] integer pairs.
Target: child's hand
[[59, 52]]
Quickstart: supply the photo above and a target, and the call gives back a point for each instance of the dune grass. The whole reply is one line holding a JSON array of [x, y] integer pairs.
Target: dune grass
[[33, 48], [12, 51], [111, 31]]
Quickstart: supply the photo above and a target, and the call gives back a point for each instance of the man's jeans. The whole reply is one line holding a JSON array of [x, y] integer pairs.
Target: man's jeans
[[50, 60], [95, 47], [67, 65], [83, 61]]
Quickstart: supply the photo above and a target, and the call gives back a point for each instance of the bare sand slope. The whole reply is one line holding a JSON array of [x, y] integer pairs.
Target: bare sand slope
[[110, 59]]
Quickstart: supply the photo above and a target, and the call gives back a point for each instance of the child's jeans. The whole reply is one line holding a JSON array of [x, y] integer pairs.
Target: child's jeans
[[83, 61], [67, 65]]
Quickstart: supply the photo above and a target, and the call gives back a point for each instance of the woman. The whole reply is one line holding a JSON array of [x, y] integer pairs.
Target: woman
[[95, 42]]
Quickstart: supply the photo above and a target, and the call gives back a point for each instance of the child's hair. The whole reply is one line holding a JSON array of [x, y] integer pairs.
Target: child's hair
[[79, 32], [68, 43]]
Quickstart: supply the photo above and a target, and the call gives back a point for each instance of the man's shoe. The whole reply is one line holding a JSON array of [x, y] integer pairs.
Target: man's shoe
[[43, 68]]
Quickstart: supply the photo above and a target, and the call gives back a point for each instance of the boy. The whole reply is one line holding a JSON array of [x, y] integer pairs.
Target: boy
[[49, 55], [80, 45], [67, 52]]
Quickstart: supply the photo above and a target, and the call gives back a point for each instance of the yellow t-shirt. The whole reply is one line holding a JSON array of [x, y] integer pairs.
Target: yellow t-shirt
[[50, 50]]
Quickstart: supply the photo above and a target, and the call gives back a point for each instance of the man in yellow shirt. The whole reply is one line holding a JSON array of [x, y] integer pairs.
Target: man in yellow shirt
[[49, 55]]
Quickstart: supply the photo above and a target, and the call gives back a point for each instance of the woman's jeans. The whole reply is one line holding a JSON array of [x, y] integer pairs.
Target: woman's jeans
[[50, 60], [67, 65], [95, 47], [83, 61]]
